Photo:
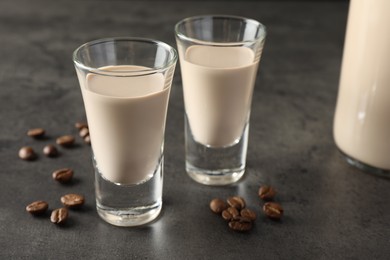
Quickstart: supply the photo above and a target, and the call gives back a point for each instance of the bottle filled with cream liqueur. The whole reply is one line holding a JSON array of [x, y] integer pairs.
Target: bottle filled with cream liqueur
[[362, 118]]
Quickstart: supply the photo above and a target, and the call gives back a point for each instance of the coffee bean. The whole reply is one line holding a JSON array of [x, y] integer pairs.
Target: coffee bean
[[50, 150], [240, 226], [248, 213], [36, 132], [267, 192], [84, 132], [72, 200], [226, 215], [230, 213], [233, 211], [273, 210], [80, 125], [236, 202], [27, 153], [241, 219], [63, 175], [218, 205], [59, 216], [65, 140], [37, 207], [87, 139]]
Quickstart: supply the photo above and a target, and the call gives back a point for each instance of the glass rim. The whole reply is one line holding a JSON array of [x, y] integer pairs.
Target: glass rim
[[137, 72], [182, 36]]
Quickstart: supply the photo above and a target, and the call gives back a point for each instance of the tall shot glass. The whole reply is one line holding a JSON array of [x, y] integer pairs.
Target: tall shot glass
[[125, 84], [219, 57]]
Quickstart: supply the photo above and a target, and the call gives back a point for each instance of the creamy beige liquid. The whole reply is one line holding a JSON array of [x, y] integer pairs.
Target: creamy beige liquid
[[362, 120], [218, 84], [126, 118]]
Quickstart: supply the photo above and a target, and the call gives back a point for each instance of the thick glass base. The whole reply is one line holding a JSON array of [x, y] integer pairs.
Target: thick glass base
[[129, 217], [215, 166], [365, 167], [216, 178], [129, 205]]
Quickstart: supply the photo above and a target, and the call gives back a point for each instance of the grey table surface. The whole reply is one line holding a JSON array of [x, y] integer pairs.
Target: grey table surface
[[332, 210]]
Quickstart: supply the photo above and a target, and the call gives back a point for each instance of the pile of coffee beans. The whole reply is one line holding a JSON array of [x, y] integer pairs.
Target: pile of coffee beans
[[63, 175], [234, 211], [239, 217]]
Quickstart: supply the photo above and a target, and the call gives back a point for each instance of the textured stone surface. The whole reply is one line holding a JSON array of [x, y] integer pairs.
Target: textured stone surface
[[332, 211]]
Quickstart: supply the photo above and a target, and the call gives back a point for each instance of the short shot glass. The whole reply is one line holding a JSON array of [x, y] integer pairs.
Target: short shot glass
[[125, 84], [219, 58]]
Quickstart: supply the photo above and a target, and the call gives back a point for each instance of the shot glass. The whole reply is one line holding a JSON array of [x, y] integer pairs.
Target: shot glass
[[125, 84], [219, 57]]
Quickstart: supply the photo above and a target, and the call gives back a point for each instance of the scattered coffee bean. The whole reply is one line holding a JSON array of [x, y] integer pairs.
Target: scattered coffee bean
[[36, 132], [218, 205], [27, 153], [59, 216], [273, 210], [65, 140], [267, 192], [50, 150], [37, 207], [84, 132], [80, 125], [236, 202], [72, 200], [240, 226], [248, 213], [63, 175], [87, 139]]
